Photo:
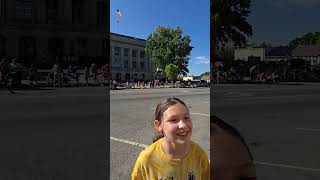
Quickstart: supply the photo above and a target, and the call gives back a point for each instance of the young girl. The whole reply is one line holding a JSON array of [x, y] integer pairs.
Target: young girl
[[172, 155]]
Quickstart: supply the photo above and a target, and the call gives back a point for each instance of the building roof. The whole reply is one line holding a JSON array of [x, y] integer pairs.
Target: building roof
[[306, 50], [278, 51], [130, 37]]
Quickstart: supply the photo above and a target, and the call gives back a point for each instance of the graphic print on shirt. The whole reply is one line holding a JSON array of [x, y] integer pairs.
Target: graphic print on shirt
[[191, 176], [170, 178]]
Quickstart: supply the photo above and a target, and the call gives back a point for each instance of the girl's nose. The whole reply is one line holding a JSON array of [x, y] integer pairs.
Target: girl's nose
[[182, 124]]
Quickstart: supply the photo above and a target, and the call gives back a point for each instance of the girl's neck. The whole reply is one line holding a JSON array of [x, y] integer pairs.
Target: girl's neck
[[175, 151]]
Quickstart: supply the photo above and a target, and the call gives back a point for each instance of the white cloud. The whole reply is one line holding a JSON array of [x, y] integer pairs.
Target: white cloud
[[202, 60]]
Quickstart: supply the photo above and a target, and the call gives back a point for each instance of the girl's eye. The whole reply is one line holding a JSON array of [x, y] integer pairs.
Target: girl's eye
[[187, 118]]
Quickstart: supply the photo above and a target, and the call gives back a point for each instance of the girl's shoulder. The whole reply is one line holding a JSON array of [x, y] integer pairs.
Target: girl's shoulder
[[197, 149], [150, 150]]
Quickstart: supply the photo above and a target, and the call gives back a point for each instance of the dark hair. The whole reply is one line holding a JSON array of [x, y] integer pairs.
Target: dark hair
[[214, 120], [161, 108]]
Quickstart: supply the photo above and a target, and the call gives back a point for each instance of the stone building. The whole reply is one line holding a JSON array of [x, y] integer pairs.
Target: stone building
[[46, 31], [129, 60]]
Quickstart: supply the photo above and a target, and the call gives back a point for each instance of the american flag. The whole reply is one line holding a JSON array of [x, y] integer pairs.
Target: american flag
[[119, 12]]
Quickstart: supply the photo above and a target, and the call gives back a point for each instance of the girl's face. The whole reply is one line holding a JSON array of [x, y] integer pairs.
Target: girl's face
[[176, 124]]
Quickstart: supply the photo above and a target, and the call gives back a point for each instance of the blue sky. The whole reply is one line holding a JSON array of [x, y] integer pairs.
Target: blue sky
[[279, 21], [141, 17]]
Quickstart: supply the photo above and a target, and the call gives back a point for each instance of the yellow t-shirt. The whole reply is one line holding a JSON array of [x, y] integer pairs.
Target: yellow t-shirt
[[153, 164]]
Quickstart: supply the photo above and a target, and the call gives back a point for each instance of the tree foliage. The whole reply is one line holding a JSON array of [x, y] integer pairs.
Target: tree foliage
[[307, 39], [172, 71], [205, 74], [168, 46], [229, 20]]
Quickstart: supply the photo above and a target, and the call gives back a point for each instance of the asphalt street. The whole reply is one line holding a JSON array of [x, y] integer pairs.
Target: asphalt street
[[131, 123], [58, 134], [62, 133], [280, 123]]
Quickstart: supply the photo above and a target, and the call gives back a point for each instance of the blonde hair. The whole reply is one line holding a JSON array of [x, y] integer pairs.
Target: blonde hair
[[161, 108]]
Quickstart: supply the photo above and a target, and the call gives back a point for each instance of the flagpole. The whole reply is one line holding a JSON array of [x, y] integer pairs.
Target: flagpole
[[117, 25]]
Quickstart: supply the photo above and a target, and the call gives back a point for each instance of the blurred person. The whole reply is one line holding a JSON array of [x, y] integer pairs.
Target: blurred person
[[33, 74], [86, 75], [4, 69], [230, 155], [93, 71]]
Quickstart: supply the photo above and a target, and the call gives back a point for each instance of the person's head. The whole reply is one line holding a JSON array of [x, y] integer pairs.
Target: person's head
[[172, 121], [4, 60], [230, 155]]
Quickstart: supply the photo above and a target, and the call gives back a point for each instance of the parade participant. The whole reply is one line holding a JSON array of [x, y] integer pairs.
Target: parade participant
[[4, 69], [172, 155]]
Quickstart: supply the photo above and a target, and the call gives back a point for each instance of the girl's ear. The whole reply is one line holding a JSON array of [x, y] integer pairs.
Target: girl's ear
[[157, 125]]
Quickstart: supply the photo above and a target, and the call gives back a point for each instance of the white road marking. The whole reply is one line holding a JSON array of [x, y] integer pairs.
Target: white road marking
[[207, 115], [287, 166], [308, 129], [128, 142]]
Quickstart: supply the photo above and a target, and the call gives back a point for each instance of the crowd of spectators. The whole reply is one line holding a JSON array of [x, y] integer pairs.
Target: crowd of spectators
[[265, 72]]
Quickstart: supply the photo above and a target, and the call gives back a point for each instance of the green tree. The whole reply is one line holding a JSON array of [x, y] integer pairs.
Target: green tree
[[205, 74], [226, 55], [172, 71], [229, 20], [167, 46], [306, 39]]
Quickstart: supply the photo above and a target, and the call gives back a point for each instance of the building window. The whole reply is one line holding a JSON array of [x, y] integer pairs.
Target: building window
[[126, 52], [134, 64], [27, 47], [127, 77], [142, 53], [71, 48], [2, 46], [82, 42], [118, 76], [101, 12], [23, 9], [52, 11], [105, 47], [142, 65], [55, 47], [117, 51], [126, 64], [77, 11], [134, 53], [0, 7]]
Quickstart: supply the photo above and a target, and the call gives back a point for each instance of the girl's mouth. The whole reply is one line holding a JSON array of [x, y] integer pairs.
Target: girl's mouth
[[183, 134]]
